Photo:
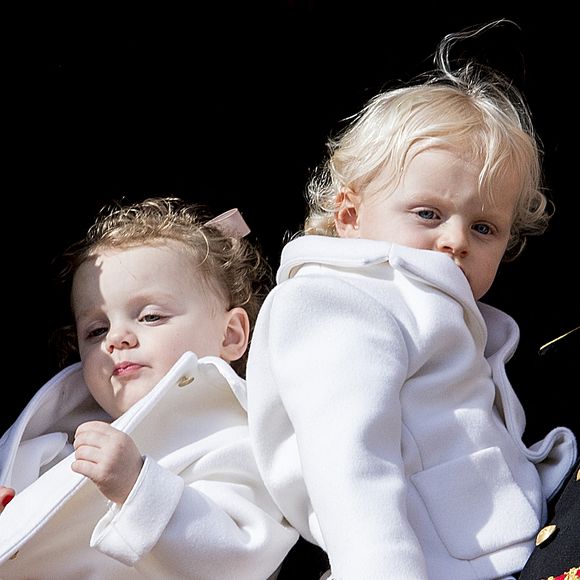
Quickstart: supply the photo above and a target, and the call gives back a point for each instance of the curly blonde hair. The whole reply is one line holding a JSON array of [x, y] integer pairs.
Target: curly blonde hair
[[474, 108], [231, 267]]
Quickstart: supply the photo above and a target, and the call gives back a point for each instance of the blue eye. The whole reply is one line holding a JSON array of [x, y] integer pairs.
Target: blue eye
[[426, 214], [483, 229]]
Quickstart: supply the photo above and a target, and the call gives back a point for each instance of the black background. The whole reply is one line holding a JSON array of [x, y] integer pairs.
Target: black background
[[229, 104]]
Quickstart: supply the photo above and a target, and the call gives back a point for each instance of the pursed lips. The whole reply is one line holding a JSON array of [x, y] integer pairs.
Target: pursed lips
[[126, 368]]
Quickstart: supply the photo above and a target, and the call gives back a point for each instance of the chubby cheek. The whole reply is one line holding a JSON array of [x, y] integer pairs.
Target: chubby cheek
[[206, 341], [483, 279], [94, 367], [89, 351]]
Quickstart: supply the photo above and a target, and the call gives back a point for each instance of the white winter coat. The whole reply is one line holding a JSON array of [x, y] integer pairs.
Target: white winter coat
[[198, 510], [383, 421]]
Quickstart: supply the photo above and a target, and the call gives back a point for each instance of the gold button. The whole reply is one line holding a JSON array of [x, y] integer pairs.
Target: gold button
[[184, 381], [544, 534], [14, 555]]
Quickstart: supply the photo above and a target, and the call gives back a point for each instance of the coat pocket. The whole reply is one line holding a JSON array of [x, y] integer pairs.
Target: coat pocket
[[475, 504]]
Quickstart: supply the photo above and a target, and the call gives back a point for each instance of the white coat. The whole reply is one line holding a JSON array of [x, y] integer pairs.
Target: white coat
[[198, 510], [383, 421]]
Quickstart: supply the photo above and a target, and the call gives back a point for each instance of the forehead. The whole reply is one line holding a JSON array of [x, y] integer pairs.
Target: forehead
[[130, 278], [440, 157], [441, 176], [167, 268], [143, 260], [439, 163]]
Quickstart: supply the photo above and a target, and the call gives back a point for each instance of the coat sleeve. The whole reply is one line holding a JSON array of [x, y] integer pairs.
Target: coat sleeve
[[332, 361], [222, 520]]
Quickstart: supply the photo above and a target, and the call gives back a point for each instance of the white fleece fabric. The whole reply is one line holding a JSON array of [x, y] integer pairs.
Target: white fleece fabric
[[383, 421], [198, 510]]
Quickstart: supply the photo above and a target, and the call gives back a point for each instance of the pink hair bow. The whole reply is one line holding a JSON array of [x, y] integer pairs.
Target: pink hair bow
[[231, 223]]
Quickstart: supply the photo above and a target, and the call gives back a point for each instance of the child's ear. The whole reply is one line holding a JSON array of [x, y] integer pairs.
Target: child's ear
[[346, 215], [236, 335]]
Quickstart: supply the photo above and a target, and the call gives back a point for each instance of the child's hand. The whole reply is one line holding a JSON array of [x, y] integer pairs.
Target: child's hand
[[108, 457], [6, 496]]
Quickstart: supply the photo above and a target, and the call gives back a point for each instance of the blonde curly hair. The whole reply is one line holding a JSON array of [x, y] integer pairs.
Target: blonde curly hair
[[474, 108]]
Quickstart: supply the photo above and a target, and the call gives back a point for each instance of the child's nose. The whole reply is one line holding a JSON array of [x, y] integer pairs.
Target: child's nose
[[453, 240], [118, 338]]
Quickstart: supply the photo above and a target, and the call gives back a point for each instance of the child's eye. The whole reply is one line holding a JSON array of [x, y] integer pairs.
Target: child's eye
[[426, 214], [97, 332], [151, 318], [483, 229]]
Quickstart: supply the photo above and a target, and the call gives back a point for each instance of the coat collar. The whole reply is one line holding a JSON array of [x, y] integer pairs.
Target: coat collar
[[434, 268]]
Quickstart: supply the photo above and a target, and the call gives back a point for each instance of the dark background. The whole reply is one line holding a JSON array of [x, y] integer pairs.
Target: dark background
[[230, 105]]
